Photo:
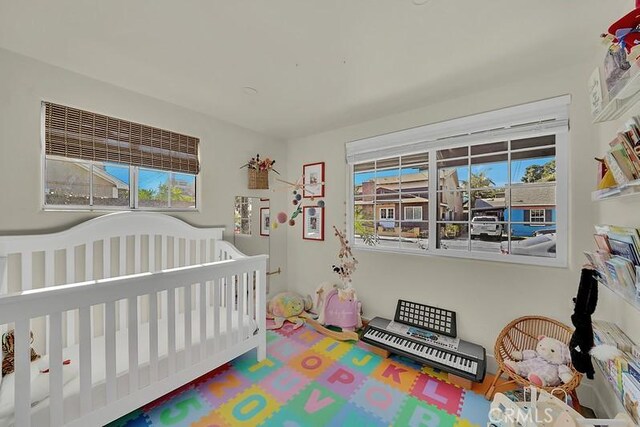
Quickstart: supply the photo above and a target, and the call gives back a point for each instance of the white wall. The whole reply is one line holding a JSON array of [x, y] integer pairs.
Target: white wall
[[24, 83], [486, 295]]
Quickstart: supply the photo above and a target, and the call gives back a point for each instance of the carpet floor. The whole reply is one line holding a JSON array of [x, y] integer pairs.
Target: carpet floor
[[310, 380]]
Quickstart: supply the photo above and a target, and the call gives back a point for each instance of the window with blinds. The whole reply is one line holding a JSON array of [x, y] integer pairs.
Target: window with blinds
[[491, 186], [97, 161]]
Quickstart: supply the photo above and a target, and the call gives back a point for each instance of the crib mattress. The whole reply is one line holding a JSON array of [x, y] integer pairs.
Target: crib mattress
[[40, 381]]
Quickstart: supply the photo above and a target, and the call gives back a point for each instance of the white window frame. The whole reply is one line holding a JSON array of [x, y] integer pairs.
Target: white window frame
[[535, 119], [133, 189], [540, 215], [413, 210]]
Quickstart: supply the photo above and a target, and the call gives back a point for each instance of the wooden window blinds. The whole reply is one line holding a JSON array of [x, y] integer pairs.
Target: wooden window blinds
[[79, 134]]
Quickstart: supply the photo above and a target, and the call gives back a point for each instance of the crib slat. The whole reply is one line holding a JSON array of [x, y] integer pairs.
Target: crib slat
[[203, 320], [207, 250], [153, 337], [137, 254], [88, 262], [176, 252], [49, 278], [106, 258], [71, 314], [122, 268], [85, 361], [27, 271], [164, 259], [217, 285], [252, 312], [198, 251], [110, 349], [152, 252], [187, 325], [242, 294], [229, 309], [122, 255], [88, 275], [22, 373], [132, 303], [171, 332], [187, 251], [55, 370]]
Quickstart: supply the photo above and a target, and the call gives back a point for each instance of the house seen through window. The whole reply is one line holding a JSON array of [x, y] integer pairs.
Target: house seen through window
[[486, 198]]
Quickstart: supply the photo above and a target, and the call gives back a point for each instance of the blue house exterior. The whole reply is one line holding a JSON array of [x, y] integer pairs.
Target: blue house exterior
[[528, 228]]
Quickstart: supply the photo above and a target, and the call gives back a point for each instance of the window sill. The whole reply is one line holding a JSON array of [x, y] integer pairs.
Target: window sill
[[476, 256], [107, 210]]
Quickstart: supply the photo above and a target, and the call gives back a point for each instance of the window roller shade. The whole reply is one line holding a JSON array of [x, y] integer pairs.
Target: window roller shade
[[74, 133]]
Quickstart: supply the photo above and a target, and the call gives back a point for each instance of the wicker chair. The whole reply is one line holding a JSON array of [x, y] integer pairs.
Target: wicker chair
[[522, 334]]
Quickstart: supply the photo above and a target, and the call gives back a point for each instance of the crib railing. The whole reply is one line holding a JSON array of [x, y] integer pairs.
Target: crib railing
[[234, 287]]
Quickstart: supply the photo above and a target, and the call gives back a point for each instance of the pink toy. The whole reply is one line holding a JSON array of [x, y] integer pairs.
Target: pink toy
[[338, 307]]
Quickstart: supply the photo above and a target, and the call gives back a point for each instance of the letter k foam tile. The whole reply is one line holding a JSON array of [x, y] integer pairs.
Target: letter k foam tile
[[395, 374]]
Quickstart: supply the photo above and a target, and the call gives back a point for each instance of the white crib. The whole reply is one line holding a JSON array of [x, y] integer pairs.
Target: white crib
[[142, 303]]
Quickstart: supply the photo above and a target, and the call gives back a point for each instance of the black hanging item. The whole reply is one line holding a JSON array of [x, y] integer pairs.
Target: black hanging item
[[582, 339]]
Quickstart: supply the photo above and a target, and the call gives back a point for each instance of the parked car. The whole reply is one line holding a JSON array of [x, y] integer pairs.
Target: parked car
[[485, 227], [543, 245], [545, 230]]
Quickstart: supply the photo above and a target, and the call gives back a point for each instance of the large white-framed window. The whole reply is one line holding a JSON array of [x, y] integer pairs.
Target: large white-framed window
[[95, 162], [488, 183]]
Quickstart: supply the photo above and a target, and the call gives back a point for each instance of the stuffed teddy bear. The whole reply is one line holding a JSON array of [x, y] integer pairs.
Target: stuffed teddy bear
[[8, 352], [546, 366]]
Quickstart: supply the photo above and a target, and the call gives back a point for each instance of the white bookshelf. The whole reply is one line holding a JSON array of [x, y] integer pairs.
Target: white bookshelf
[[628, 96], [629, 189]]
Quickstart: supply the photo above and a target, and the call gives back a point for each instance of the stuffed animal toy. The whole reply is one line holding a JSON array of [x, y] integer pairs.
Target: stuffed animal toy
[[8, 352], [289, 306], [546, 366]]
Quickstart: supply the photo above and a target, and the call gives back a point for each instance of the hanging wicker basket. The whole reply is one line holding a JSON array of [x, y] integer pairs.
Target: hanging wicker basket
[[258, 179]]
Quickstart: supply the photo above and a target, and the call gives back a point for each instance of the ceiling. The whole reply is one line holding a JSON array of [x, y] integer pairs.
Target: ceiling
[[316, 64]]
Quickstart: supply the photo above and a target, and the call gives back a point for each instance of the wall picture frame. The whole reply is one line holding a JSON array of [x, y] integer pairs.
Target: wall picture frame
[[313, 180], [313, 223], [265, 221]]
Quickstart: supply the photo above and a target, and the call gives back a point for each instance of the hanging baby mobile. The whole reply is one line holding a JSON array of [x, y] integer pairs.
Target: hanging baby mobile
[[306, 196]]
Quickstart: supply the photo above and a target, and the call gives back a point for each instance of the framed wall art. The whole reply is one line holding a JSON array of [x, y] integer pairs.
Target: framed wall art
[[313, 223], [265, 221], [313, 180]]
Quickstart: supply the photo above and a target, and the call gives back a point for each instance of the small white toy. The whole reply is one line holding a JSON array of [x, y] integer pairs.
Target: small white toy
[[546, 366]]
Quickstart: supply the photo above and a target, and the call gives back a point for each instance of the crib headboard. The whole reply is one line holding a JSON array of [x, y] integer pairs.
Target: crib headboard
[[108, 246]]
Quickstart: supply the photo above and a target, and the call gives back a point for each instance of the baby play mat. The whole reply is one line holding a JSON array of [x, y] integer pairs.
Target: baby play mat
[[311, 380]]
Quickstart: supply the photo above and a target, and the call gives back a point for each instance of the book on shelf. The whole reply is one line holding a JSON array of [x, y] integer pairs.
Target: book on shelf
[[605, 332], [625, 250], [622, 160]]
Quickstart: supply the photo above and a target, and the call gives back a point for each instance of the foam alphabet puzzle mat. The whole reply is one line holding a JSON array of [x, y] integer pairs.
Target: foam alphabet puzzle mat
[[311, 380]]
